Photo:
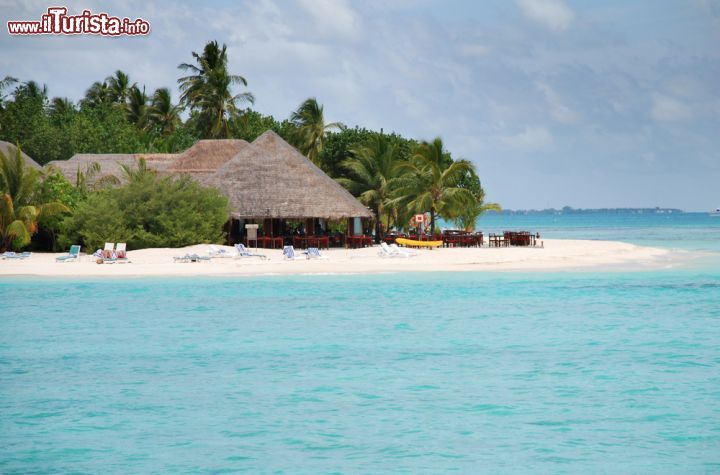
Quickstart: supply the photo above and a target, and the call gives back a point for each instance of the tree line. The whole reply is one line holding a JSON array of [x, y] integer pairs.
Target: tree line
[[393, 175]]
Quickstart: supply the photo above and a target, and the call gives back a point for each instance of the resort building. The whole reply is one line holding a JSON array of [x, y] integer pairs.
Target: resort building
[[267, 182], [9, 150]]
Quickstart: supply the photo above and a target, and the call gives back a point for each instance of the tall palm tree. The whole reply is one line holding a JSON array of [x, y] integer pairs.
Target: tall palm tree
[[119, 86], [163, 113], [4, 84], [136, 107], [373, 170], [61, 106], [468, 215], [208, 91], [98, 94], [18, 215], [32, 90], [310, 129], [430, 182]]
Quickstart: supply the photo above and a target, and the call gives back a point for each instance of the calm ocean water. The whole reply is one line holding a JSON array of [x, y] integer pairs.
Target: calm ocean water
[[614, 372]]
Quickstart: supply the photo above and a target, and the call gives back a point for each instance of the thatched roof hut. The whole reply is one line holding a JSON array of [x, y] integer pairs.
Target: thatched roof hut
[[110, 163], [269, 178], [206, 156], [9, 150]]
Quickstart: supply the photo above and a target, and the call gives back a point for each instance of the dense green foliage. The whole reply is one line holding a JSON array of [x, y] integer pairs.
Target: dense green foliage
[[21, 206], [149, 211], [394, 175]]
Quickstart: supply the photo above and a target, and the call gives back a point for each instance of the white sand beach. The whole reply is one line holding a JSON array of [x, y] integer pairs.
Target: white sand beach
[[556, 255]]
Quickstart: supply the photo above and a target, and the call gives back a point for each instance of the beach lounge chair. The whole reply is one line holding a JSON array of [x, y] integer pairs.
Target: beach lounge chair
[[216, 251], [121, 253], [314, 253], [191, 258], [72, 255], [242, 251], [15, 255], [108, 251], [289, 254], [399, 250], [387, 251]]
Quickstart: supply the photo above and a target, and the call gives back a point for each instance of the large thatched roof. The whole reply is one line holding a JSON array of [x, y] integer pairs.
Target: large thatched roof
[[110, 163], [269, 178], [206, 156], [10, 150]]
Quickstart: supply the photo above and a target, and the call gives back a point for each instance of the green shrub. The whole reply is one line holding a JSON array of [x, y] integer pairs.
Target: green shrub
[[149, 211]]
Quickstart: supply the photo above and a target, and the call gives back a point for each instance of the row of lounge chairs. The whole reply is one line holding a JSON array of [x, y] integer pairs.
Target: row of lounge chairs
[[112, 253], [242, 252], [15, 255]]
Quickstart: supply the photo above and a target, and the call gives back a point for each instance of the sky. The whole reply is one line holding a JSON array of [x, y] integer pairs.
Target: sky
[[557, 102]]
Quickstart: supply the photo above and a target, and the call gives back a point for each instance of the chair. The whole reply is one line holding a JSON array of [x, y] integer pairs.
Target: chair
[[15, 255], [108, 250], [398, 250], [289, 254], [191, 258], [216, 251], [387, 251], [72, 255], [242, 251], [121, 252], [314, 253]]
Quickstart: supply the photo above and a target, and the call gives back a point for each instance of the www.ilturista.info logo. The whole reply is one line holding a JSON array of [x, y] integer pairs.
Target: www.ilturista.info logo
[[57, 22]]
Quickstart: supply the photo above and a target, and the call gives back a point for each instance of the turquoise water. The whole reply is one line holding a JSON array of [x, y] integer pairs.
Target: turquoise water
[[690, 231], [612, 372]]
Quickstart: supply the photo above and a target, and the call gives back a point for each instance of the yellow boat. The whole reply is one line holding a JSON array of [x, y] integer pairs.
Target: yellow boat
[[413, 243]]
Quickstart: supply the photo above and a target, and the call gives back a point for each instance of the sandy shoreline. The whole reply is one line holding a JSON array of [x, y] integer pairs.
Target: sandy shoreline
[[557, 255]]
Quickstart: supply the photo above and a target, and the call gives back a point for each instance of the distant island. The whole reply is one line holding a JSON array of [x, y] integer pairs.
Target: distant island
[[571, 210]]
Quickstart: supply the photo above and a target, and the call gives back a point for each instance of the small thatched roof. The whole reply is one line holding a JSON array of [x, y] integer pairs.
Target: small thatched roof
[[110, 163], [206, 156], [269, 178], [10, 150]]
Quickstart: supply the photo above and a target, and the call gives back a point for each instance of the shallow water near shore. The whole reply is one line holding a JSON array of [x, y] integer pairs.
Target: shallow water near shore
[[430, 373]]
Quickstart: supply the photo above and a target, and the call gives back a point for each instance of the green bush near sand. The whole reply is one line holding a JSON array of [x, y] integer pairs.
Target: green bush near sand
[[149, 211]]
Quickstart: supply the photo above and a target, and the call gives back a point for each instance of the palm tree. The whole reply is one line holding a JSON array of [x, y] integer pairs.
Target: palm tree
[[163, 113], [430, 183], [98, 94], [119, 86], [208, 91], [61, 106], [310, 129], [373, 171], [91, 179], [32, 90], [137, 173], [136, 107], [18, 215], [4, 84]]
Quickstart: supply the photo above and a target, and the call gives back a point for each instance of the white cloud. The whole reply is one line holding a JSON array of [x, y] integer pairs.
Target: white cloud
[[474, 50], [333, 17], [552, 14], [668, 109], [531, 138], [558, 109]]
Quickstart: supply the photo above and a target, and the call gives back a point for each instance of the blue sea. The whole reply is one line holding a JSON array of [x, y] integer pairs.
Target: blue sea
[[600, 372]]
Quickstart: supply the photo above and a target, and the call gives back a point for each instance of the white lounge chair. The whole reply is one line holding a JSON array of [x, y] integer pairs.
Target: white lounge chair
[[387, 251], [314, 253], [399, 250], [121, 253], [108, 250], [191, 258], [216, 251], [289, 254], [15, 255], [242, 251]]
